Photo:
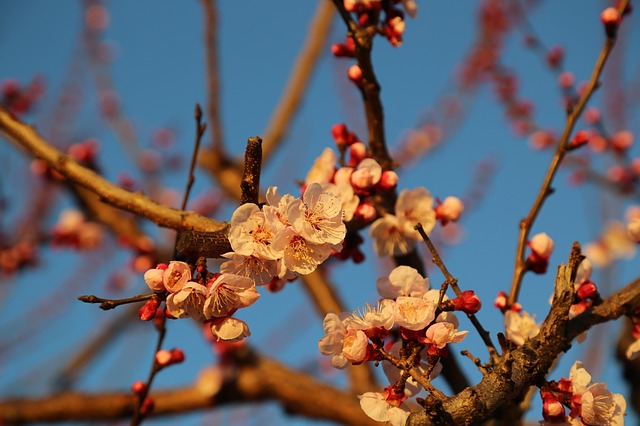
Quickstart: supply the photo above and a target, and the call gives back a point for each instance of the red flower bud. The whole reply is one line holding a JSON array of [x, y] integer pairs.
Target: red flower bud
[[138, 387], [611, 19], [587, 290], [148, 311], [468, 302]]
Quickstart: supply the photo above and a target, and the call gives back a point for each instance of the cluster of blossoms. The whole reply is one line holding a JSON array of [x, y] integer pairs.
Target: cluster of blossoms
[[287, 237], [19, 255], [392, 26], [359, 180], [589, 403], [73, 230], [408, 309]]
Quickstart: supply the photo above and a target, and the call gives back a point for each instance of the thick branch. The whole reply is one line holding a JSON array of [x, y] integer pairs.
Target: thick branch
[[257, 379], [27, 137], [529, 363]]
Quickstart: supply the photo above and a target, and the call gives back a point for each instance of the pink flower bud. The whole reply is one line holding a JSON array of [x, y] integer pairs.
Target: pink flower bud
[[552, 409], [366, 212], [138, 387], [449, 210], [388, 180], [501, 301], [566, 80], [163, 357], [555, 56], [355, 74], [592, 115], [622, 140], [611, 19], [580, 138], [468, 302], [339, 132], [177, 356], [357, 153], [148, 311], [587, 290], [541, 245], [366, 175]]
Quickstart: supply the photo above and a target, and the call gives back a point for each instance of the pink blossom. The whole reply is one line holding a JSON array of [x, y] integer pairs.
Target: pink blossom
[[449, 210], [377, 406], [442, 333], [154, 278], [519, 328], [366, 175], [188, 302], [230, 329], [541, 245], [250, 233], [350, 201], [389, 238], [602, 407], [372, 317], [413, 207], [261, 271], [323, 168], [298, 254], [354, 346], [227, 293], [317, 216], [414, 313], [332, 342], [402, 281], [176, 276], [584, 271]]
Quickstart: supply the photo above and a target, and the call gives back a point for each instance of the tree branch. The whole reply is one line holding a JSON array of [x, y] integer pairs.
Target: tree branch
[[27, 137], [257, 379]]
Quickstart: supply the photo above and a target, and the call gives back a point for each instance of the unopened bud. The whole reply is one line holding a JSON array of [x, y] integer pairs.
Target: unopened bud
[[468, 302], [147, 405], [449, 210], [366, 211], [148, 311], [357, 153], [611, 19], [541, 246], [339, 132], [388, 180], [355, 74], [138, 387], [580, 138], [587, 290]]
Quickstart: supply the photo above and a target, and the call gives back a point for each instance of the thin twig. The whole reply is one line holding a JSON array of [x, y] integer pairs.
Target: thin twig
[[106, 304], [453, 283], [27, 137], [138, 415], [563, 145]]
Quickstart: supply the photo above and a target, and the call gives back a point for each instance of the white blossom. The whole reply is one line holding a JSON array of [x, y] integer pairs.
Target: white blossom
[[188, 302], [332, 342], [250, 233], [298, 254], [227, 293], [230, 329], [323, 168], [375, 405], [388, 237], [519, 328], [402, 281], [317, 216], [261, 271], [413, 207], [414, 313]]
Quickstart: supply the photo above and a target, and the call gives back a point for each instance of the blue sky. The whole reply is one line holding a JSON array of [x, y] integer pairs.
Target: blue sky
[[159, 74]]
